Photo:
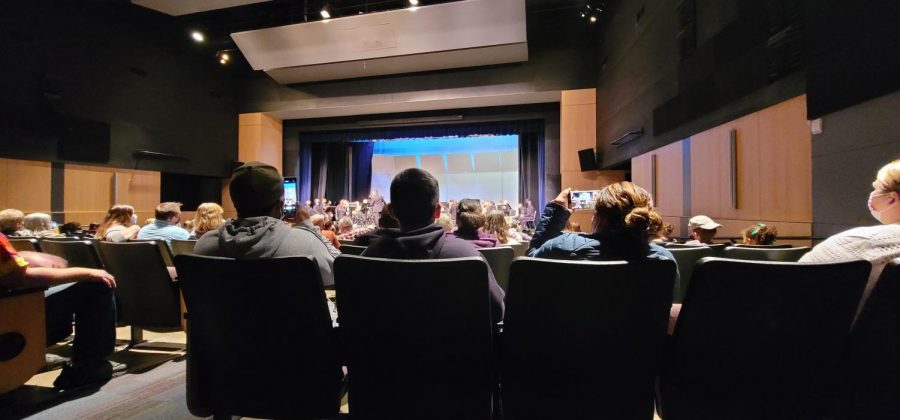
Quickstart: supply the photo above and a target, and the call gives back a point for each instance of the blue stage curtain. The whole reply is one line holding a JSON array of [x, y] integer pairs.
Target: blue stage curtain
[[361, 162], [304, 176]]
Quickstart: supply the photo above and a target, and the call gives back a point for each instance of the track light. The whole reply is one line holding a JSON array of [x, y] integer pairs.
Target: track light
[[324, 13], [223, 56], [198, 36], [593, 19]]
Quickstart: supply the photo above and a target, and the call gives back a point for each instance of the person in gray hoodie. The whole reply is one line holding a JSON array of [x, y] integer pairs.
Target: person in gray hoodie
[[257, 191]]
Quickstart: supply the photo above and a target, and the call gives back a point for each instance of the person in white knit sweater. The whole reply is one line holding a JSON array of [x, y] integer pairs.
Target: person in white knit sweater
[[877, 244]]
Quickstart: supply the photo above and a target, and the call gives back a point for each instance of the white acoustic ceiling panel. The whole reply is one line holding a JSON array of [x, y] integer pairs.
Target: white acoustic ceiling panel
[[186, 7], [443, 36]]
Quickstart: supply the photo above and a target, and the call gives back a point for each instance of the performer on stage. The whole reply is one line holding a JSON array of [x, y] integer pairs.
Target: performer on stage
[[342, 209], [376, 203]]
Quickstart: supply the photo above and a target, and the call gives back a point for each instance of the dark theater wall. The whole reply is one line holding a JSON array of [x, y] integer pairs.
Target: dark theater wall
[[679, 67], [85, 72]]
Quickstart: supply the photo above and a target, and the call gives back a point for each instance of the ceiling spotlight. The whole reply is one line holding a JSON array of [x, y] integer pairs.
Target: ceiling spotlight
[[226, 57], [413, 2], [223, 61], [593, 19], [198, 36], [584, 15], [324, 13]]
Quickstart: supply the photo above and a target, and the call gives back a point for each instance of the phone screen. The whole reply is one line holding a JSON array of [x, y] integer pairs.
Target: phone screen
[[583, 199], [290, 196]]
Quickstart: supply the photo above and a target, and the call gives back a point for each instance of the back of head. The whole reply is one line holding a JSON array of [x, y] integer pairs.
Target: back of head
[[496, 225], [256, 189], [760, 234], [38, 222], [168, 210], [888, 178], [446, 222], [626, 213], [119, 214], [414, 197], [469, 217], [10, 220], [208, 217], [318, 220], [345, 223]]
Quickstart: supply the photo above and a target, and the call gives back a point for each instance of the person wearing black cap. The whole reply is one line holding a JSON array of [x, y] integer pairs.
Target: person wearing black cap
[[257, 191]]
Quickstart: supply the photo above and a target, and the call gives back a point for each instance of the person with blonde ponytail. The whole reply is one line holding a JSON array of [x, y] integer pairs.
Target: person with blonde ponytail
[[622, 228]]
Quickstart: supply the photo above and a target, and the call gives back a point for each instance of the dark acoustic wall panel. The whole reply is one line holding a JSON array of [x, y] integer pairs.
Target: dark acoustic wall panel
[[83, 140], [190, 190]]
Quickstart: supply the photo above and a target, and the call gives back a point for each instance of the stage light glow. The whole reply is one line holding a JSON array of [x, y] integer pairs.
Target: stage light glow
[[198, 36], [325, 14]]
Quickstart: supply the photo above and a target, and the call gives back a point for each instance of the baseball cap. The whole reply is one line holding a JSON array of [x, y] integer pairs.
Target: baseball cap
[[702, 222], [255, 187]]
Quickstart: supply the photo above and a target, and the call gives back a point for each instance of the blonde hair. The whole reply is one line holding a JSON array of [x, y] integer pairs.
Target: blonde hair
[[888, 178], [208, 217], [496, 225], [10, 220], [120, 214], [38, 222], [446, 222], [625, 211]]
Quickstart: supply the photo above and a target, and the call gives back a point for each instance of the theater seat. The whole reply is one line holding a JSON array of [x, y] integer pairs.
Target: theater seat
[[584, 339], [760, 340], [260, 338], [76, 253], [687, 258], [22, 336], [499, 259], [766, 254], [25, 244], [183, 246], [352, 249], [417, 337]]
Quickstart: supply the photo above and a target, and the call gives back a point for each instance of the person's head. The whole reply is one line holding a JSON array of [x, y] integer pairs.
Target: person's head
[[665, 233], [208, 217], [318, 220], [169, 212], [70, 228], [446, 222], [624, 212], [257, 190], [38, 222], [469, 217], [11, 220], [497, 226], [345, 224], [120, 214], [387, 220], [760, 234], [414, 199], [703, 228], [884, 200], [527, 202]]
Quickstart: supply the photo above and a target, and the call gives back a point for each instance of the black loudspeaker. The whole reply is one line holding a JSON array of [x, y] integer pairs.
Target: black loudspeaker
[[587, 159]]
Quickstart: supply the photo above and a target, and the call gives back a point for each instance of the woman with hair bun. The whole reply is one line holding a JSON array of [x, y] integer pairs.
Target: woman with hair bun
[[622, 227]]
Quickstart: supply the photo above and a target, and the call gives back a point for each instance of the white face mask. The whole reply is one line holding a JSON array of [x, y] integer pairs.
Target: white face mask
[[134, 219], [879, 214]]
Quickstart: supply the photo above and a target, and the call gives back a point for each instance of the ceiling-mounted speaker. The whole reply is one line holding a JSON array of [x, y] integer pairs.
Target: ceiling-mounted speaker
[[588, 160]]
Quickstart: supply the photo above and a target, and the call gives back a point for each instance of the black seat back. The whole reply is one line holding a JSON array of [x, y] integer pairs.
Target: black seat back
[[185, 246], [260, 338], [77, 253], [871, 367], [766, 254], [417, 337], [146, 296], [164, 251], [499, 259], [352, 249], [22, 243], [584, 339], [686, 259], [756, 340]]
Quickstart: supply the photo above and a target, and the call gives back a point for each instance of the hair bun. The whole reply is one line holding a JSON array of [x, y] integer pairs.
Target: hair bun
[[643, 221]]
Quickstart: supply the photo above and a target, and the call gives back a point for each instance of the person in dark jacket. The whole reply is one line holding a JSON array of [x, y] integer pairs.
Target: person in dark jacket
[[469, 221], [414, 201]]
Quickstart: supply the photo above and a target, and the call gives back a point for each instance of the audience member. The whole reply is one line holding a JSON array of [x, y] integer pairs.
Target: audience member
[[759, 234], [703, 230], [73, 230], [623, 224], [208, 217], [385, 221], [40, 225], [877, 244], [665, 234], [118, 225], [514, 230], [80, 294], [257, 191], [445, 223], [496, 225], [323, 223], [414, 201], [345, 225], [12, 221], [168, 215], [469, 221]]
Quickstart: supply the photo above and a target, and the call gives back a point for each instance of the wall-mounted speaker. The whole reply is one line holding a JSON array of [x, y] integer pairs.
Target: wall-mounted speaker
[[588, 160]]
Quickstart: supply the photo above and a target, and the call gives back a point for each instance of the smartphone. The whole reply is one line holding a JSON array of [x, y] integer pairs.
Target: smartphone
[[583, 199], [290, 196]]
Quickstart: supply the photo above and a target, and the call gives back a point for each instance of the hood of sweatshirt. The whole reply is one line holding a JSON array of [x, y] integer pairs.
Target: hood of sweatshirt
[[416, 244], [252, 237]]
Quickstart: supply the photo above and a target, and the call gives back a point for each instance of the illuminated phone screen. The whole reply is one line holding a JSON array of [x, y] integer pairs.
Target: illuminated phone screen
[[583, 199], [290, 194]]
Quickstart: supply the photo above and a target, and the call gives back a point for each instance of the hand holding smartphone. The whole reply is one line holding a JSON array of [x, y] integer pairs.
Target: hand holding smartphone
[[582, 199]]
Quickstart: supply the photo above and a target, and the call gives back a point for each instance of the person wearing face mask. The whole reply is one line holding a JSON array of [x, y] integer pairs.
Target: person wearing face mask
[[877, 244], [165, 227], [120, 224]]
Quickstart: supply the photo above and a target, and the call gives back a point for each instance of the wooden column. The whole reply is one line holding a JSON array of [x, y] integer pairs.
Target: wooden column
[[260, 139]]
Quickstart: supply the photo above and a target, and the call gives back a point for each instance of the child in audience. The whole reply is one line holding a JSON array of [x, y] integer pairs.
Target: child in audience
[[703, 230], [496, 225], [119, 224], [665, 234], [760, 234], [208, 217]]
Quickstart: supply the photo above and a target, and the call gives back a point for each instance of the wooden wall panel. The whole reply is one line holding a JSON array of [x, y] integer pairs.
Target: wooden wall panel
[[708, 166], [88, 193], [139, 189], [260, 139], [785, 158], [669, 194], [25, 185]]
